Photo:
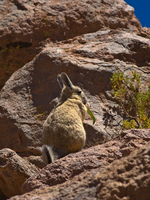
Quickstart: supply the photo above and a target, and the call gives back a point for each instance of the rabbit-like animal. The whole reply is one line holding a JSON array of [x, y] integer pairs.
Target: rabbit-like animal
[[63, 130]]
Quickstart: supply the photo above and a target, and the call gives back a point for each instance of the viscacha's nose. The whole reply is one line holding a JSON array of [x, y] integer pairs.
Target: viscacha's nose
[[84, 100]]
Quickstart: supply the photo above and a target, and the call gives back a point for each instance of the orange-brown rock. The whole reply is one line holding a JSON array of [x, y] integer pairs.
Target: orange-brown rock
[[106, 172], [89, 40], [14, 170], [89, 60], [96, 157], [25, 25]]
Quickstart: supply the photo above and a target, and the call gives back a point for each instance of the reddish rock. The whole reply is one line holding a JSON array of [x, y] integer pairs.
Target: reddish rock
[[25, 25], [89, 40], [14, 170], [31, 92], [36, 160], [99, 156], [127, 178]]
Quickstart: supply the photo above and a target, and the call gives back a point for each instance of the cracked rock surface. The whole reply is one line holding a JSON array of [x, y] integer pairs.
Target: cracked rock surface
[[89, 40]]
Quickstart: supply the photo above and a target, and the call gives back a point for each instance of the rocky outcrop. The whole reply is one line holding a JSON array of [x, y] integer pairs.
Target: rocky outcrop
[[89, 60], [119, 169], [25, 25], [14, 170], [96, 157], [89, 40]]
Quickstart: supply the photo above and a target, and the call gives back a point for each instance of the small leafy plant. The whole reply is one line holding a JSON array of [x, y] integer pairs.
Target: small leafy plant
[[91, 115], [133, 100]]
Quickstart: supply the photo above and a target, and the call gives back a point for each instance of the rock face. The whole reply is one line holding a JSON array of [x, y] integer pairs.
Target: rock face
[[14, 170], [119, 169], [90, 60], [91, 158], [89, 40], [24, 25]]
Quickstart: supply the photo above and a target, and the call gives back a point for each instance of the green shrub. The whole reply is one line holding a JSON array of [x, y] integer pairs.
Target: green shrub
[[133, 100]]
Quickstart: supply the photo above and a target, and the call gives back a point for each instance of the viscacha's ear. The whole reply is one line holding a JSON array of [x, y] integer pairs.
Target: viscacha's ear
[[60, 81], [66, 81]]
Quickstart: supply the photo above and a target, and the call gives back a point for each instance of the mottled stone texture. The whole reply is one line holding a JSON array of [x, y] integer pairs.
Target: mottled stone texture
[[119, 169], [25, 25], [89, 40], [89, 60], [14, 170]]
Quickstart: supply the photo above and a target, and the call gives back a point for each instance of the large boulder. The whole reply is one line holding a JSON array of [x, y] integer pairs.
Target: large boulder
[[118, 169], [95, 157], [89, 40], [14, 170], [25, 25], [89, 60]]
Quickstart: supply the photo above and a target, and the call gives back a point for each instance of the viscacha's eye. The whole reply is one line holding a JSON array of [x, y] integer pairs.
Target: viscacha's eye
[[79, 92]]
